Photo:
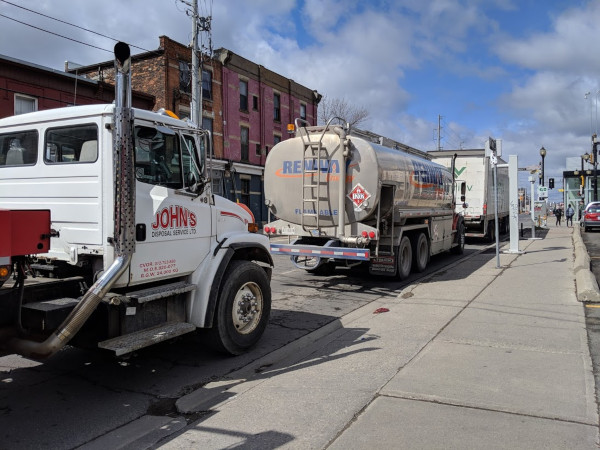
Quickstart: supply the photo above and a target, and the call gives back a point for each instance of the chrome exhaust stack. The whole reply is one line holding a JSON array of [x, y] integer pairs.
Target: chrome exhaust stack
[[124, 219]]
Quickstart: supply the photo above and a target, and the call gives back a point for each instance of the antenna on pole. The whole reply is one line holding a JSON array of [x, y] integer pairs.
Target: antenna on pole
[[439, 132]]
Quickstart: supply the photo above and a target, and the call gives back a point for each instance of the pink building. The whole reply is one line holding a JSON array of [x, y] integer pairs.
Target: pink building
[[258, 104]]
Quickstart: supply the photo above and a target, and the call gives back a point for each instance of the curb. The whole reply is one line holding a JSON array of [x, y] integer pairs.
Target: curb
[[585, 281]]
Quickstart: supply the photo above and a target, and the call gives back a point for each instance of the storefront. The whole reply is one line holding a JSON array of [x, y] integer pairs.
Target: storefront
[[574, 194]]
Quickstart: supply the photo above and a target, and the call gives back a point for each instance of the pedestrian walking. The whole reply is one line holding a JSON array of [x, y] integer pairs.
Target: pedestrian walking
[[570, 212], [558, 215]]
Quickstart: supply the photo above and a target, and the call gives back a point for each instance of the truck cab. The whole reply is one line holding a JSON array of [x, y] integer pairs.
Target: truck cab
[[138, 248]]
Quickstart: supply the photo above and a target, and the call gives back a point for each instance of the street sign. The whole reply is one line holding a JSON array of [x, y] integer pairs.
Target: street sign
[[542, 192]]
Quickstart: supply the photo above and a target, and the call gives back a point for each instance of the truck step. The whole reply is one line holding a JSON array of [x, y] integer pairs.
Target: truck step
[[166, 290], [128, 343], [47, 314]]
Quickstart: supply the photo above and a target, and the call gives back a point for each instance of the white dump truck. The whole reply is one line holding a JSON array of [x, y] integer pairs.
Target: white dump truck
[[346, 200], [111, 238], [475, 179]]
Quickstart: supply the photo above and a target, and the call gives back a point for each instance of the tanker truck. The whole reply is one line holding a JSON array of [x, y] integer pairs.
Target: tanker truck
[[343, 200], [110, 237]]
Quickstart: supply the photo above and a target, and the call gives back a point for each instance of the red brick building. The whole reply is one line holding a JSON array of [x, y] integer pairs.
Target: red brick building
[[26, 87]]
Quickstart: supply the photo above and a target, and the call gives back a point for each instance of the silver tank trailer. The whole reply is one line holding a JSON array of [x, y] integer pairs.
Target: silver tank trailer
[[417, 187]]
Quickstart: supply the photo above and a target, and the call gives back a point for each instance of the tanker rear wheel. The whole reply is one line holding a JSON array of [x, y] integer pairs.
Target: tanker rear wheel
[[404, 258], [420, 252]]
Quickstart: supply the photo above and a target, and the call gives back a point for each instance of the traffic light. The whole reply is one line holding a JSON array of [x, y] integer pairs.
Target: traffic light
[[551, 183]]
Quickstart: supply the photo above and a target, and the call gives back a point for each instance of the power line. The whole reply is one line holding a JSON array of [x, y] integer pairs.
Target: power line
[[55, 34], [66, 23]]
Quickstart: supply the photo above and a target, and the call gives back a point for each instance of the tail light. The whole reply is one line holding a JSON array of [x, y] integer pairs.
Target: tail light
[[5, 271]]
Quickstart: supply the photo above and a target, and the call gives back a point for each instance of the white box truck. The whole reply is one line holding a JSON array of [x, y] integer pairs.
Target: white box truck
[[475, 190]]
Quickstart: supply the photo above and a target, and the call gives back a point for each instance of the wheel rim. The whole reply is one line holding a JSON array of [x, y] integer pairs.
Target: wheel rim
[[247, 308]]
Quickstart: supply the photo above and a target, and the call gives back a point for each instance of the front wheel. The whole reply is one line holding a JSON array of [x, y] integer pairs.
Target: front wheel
[[243, 310]]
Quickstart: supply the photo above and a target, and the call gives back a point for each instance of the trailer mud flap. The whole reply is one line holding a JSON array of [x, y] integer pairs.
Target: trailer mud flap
[[383, 265]]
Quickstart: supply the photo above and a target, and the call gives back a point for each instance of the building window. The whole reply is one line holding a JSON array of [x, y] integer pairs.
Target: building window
[[245, 143], [207, 124], [277, 107], [217, 182], [245, 191], [207, 85], [25, 104], [255, 103], [243, 95], [276, 139], [302, 111], [185, 77], [258, 150]]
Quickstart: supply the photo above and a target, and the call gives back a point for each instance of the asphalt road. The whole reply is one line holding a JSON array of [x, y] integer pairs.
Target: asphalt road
[[79, 395]]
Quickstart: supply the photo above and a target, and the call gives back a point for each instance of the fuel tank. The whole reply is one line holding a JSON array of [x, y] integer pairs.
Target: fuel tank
[[304, 176]]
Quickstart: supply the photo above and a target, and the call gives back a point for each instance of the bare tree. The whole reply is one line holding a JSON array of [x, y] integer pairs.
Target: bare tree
[[339, 107]]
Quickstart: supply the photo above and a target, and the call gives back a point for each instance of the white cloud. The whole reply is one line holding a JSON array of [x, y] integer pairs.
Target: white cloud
[[570, 46]]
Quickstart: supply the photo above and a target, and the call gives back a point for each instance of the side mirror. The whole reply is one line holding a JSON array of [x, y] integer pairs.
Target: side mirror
[[462, 198], [191, 183]]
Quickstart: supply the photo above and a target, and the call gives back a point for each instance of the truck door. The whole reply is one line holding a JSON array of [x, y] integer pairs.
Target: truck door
[[173, 225]]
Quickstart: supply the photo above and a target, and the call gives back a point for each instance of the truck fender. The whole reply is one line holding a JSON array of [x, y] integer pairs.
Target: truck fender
[[239, 250]]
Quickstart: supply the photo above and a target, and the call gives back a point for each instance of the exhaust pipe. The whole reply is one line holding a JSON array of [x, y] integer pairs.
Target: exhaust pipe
[[124, 219]]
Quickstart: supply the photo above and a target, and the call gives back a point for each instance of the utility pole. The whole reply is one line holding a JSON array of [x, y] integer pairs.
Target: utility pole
[[196, 107], [205, 27], [198, 24]]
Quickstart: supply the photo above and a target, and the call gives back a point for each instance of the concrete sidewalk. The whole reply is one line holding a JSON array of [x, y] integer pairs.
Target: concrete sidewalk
[[472, 357]]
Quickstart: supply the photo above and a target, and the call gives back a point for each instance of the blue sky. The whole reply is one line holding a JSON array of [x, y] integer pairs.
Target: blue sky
[[516, 70]]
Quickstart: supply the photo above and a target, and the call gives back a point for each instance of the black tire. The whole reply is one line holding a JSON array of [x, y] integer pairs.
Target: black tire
[[420, 252], [323, 270], [491, 237], [460, 237], [404, 258], [243, 309]]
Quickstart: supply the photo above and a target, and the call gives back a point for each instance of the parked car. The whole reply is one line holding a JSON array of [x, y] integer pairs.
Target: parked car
[[591, 216]]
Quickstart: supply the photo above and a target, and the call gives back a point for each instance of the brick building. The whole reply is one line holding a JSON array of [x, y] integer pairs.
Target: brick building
[[27, 87], [246, 106]]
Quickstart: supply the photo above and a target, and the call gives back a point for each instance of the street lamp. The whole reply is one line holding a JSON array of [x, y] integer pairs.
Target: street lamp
[[543, 155], [585, 157]]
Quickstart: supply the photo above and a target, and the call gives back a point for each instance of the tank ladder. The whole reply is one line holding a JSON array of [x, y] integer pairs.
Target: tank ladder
[[313, 178]]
